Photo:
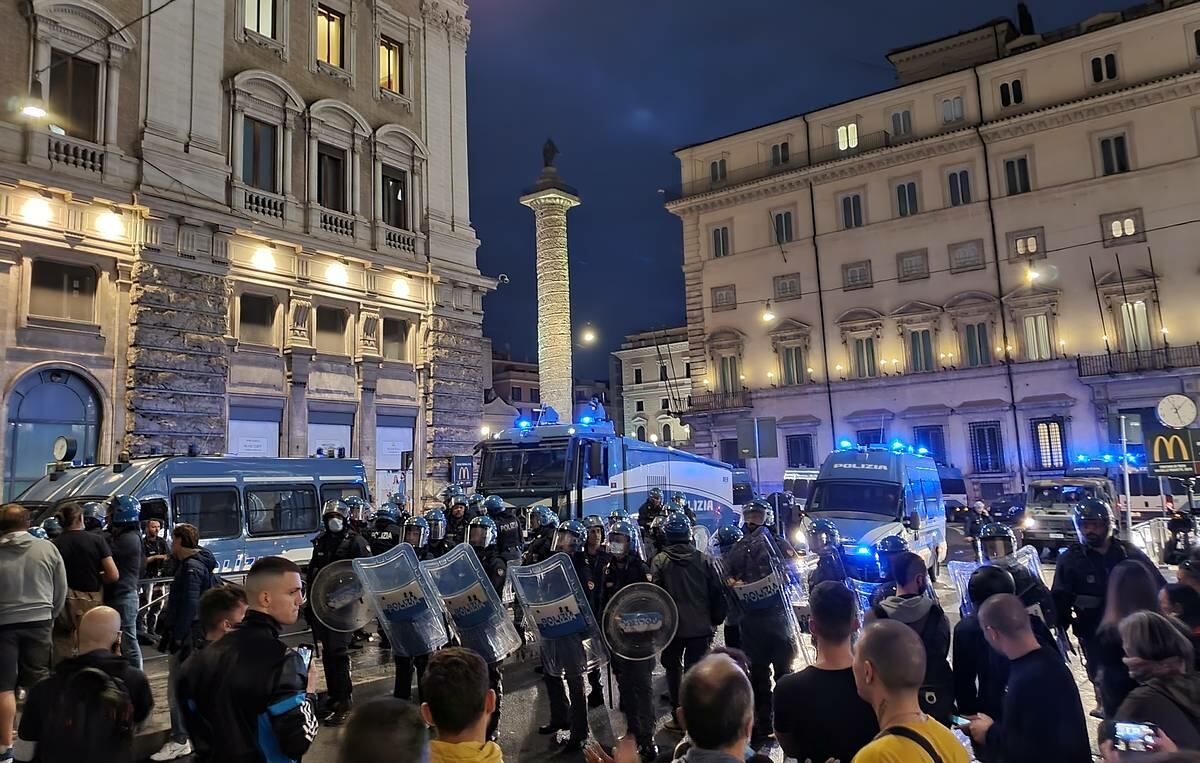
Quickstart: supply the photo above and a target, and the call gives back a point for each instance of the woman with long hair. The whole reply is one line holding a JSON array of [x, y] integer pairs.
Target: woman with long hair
[[1159, 656], [1131, 589]]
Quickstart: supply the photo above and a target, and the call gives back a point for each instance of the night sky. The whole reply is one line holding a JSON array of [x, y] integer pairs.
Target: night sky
[[620, 84]]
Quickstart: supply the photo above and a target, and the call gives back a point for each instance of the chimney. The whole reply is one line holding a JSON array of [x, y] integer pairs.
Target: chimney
[[1024, 20]]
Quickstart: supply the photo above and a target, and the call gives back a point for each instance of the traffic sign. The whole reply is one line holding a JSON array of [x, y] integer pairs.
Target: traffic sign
[[462, 470], [1171, 452]]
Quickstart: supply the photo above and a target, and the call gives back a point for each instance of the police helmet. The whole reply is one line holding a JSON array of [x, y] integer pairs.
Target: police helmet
[[656, 493], [436, 518], [678, 498], [573, 533], [359, 508], [542, 516], [493, 504], [727, 536], [52, 526], [334, 506], [399, 499], [38, 532], [453, 490], [987, 581], [1093, 510], [996, 541], [824, 535], [124, 510], [389, 511], [760, 506], [677, 528], [891, 545], [459, 500], [620, 529], [481, 532], [617, 515], [94, 511], [1181, 522], [416, 532], [475, 501]]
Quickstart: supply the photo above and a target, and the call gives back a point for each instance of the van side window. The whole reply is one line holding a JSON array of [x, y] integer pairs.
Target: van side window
[[340, 492], [281, 510], [213, 511], [155, 508]]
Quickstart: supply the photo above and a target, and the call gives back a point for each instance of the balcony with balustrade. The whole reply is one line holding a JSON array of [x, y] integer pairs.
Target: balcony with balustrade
[[1139, 361]]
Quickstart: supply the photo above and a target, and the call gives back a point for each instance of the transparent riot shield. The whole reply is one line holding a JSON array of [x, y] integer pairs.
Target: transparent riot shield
[[405, 601], [476, 611], [1024, 564], [640, 621], [762, 583], [557, 606]]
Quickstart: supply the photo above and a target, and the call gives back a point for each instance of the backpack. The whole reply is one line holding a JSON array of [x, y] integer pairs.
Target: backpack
[[91, 722]]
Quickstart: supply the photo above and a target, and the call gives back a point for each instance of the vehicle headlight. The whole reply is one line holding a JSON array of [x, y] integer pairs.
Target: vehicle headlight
[[1028, 523]]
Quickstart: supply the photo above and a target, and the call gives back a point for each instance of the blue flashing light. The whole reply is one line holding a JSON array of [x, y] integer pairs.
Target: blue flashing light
[[863, 551], [896, 444], [1082, 458], [586, 420], [524, 424], [846, 444], [1132, 457], [1107, 458], [922, 451]]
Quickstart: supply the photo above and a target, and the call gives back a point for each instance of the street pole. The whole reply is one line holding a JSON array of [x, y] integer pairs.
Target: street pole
[[1125, 471], [757, 472]]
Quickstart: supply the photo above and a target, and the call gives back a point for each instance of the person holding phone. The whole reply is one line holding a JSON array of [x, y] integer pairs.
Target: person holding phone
[[1159, 655]]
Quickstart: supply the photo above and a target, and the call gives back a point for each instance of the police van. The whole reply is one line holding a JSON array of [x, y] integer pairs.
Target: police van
[[244, 508], [871, 492], [586, 468]]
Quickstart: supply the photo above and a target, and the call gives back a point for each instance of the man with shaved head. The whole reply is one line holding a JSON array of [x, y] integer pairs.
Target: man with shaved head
[[716, 708], [889, 668], [1042, 714], [99, 641]]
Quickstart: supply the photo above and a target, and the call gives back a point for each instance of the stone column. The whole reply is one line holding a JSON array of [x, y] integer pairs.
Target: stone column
[[112, 87], [452, 404], [550, 200]]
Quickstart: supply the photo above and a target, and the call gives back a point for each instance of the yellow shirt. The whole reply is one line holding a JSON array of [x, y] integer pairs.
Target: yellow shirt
[[897, 749]]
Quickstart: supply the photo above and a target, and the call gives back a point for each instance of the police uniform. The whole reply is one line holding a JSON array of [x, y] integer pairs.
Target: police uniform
[[540, 548], [329, 548], [383, 536], [402, 688], [634, 677], [568, 705], [456, 529], [508, 535], [595, 562], [497, 570], [646, 515], [438, 548]]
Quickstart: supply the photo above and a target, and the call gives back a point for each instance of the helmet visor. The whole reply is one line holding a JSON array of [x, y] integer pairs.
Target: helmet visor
[[414, 536], [995, 548], [437, 529], [479, 536]]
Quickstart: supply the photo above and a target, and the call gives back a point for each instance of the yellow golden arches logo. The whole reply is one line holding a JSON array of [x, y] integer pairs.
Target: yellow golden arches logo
[[1169, 443]]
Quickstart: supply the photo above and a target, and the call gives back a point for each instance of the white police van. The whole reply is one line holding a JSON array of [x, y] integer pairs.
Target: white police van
[[872, 492], [245, 508]]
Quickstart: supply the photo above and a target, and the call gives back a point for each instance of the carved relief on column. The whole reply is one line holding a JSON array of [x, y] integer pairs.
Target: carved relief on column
[[368, 335], [299, 320]]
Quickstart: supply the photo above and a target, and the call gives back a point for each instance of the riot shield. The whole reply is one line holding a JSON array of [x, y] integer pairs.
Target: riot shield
[[640, 621], [557, 606], [476, 611], [337, 598], [1023, 563], [761, 583], [405, 601]]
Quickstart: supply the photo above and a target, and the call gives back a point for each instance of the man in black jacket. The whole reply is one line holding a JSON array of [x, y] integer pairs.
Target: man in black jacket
[[508, 528], [648, 511], [125, 540], [542, 523], [1043, 716], [248, 697], [385, 532], [568, 705], [693, 584], [975, 521]]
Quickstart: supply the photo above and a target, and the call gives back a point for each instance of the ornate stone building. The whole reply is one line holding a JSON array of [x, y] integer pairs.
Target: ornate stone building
[[240, 227]]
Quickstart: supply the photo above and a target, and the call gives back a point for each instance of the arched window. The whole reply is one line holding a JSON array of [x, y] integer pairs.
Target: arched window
[[666, 433], [641, 433], [44, 406]]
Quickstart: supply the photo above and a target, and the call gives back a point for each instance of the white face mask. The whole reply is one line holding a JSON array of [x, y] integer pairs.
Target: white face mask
[[335, 525]]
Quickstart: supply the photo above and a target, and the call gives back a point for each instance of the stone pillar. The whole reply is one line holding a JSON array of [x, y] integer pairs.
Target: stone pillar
[[178, 366], [112, 86], [453, 405], [550, 200], [297, 353]]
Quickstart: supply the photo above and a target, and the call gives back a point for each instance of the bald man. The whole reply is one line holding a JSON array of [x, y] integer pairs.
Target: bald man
[[716, 708], [99, 643], [889, 668]]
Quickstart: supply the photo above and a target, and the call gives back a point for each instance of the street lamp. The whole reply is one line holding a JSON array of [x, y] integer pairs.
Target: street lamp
[[768, 315]]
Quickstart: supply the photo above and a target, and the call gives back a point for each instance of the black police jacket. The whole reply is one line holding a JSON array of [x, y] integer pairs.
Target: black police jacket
[[495, 567], [438, 548], [384, 537], [539, 549], [646, 515], [616, 573], [334, 547], [243, 697], [693, 584], [508, 535], [456, 529], [1081, 582]]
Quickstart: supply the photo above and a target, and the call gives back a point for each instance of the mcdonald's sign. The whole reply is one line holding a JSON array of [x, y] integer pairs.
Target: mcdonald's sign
[[1172, 452]]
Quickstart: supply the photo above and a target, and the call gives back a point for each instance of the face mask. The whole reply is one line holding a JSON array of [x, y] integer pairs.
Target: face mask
[[618, 548], [336, 525]]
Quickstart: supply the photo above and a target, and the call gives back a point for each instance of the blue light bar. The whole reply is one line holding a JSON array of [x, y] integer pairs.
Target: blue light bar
[[524, 424], [863, 551], [1107, 458], [1081, 458], [585, 420], [897, 444], [845, 444], [922, 451]]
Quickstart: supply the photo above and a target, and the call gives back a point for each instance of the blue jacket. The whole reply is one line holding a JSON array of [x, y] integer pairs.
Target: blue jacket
[[193, 577]]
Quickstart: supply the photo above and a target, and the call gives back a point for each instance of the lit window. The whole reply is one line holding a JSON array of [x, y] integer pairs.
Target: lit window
[[1048, 443], [330, 31], [791, 364], [391, 73], [260, 17], [1027, 245], [57, 290], [1135, 326], [1122, 228], [847, 136], [1037, 337]]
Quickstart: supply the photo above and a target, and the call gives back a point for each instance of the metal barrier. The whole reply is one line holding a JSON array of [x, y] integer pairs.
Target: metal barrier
[[1151, 537]]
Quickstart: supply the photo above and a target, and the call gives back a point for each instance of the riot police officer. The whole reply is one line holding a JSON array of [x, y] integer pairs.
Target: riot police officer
[[360, 513], [385, 532], [52, 526], [679, 502], [336, 541], [596, 557], [624, 567], [996, 545], [439, 542], [475, 506], [614, 516], [456, 520], [648, 511], [1081, 575], [568, 708], [826, 542], [94, 516], [888, 549], [401, 502], [543, 523], [724, 540], [416, 534], [481, 534], [508, 529], [451, 492]]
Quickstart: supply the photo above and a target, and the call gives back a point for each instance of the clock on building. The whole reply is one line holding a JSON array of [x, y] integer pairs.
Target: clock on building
[[1176, 411]]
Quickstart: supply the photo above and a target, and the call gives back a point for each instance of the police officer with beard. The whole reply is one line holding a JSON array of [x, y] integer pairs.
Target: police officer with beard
[[623, 567], [568, 707], [416, 534], [456, 520], [439, 542], [508, 528], [543, 523], [481, 534], [385, 532], [1081, 575], [337, 541]]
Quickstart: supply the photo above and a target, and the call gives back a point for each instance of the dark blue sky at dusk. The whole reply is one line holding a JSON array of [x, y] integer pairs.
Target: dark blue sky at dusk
[[620, 84]]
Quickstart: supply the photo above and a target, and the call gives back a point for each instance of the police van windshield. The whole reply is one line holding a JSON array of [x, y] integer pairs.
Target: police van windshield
[[868, 497], [523, 467], [1049, 495]]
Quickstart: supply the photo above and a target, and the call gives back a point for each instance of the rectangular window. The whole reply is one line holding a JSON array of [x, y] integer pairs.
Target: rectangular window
[[780, 154], [783, 227], [869, 436], [856, 275], [639, 405], [786, 286], [516, 394], [74, 98], [912, 266], [331, 177], [864, 358], [1104, 68], [1135, 326], [664, 404], [391, 62], [687, 370], [662, 372], [724, 298], [731, 377], [62, 291], [535, 395], [978, 348], [960, 188], [906, 198], [920, 350], [258, 154], [730, 453], [282, 510], [933, 439], [331, 331], [1011, 93], [720, 241], [1026, 244], [800, 453], [330, 36], [952, 109], [716, 170], [214, 512], [847, 136], [987, 448], [260, 17], [852, 213], [395, 197], [1114, 156], [637, 376], [901, 123], [1048, 447], [966, 255], [1037, 337], [256, 319], [1122, 228], [791, 362], [1016, 175], [395, 339]]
